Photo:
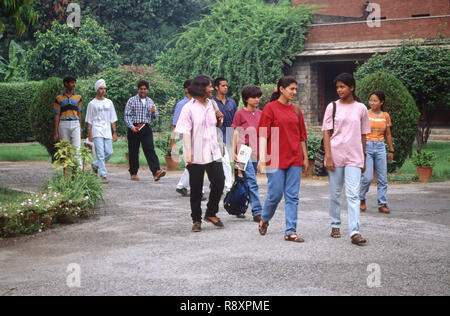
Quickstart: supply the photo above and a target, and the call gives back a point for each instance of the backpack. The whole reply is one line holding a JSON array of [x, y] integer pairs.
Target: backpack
[[319, 162], [236, 201]]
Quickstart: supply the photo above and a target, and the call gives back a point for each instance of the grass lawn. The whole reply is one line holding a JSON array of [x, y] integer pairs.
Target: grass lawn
[[37, 152], [408, 173]]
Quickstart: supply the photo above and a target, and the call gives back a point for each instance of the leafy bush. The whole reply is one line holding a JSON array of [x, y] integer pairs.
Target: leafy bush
[[41, 113], [15, 102], [425, 159], [267, 90], [245, 41], [121, 83], [62, 50], [401, 107], [425, 72], [314, 142]]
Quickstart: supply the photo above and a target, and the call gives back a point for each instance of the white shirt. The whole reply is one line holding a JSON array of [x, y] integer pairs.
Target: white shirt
[[100, 114]]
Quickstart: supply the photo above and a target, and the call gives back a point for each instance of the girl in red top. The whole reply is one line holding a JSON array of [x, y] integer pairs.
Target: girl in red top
[[283, 151]]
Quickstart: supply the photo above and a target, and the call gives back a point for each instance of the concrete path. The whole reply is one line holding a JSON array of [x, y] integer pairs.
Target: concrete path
[[140, 243]]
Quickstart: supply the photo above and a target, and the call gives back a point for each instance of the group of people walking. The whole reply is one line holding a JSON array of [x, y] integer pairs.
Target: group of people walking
[[212, 130]]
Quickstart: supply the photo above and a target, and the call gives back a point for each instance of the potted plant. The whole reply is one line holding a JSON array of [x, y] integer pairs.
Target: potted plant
[[164, 143], [425, 162], [313, 144]]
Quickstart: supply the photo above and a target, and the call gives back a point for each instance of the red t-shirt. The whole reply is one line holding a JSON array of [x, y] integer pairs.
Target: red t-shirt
[[248, 134], [290, 131]]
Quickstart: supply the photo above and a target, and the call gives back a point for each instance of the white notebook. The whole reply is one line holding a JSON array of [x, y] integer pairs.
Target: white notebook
[[243, 157]]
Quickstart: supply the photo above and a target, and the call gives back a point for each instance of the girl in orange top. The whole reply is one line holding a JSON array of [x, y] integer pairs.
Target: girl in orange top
[[380, 124]]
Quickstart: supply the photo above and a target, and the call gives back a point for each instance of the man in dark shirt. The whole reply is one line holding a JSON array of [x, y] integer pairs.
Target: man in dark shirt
[[228, 107]]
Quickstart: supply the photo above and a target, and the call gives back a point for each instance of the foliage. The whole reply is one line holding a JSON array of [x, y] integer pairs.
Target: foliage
[[11, 68], [144, 30], [424, 159], [402, 109], [245, 41], [121, 83], [166, 112], [18, 12], [41, 113], [267, 90], [314, 142], [15, 102], [163, 142], [425, 72], [63, 50]]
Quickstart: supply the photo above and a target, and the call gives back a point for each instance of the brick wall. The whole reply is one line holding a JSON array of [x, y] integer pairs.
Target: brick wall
[[391, 9], [417, 28]]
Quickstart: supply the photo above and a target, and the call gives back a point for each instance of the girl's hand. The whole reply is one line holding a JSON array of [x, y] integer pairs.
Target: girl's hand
[[305, 165], [329, 163], [390, 157], [235, 158], [261, 167], [364, 169]]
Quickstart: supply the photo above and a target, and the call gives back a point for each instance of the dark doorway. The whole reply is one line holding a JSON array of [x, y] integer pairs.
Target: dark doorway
[[327, 73]]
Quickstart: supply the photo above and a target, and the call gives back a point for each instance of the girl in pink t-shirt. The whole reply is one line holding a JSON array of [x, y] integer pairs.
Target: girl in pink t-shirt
[[345, 150]]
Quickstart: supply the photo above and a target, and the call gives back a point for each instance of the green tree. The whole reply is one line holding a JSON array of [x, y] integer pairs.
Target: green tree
[[63, 50], [401, 107], [10, 69], [425, 71], [20, 13], [246, 41]]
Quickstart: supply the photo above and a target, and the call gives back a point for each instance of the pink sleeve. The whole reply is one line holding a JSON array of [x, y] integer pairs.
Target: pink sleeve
[[365, 122], [184, 124], [328, 118]]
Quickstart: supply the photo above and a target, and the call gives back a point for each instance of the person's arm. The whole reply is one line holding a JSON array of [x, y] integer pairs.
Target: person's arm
[[329, 163], [262, 154], [235, 143], [80, 119], [128, 118], [114, 128], [91, 139], [364, 141], [188, 157], [56, 134], [390, 144], [305, 157]]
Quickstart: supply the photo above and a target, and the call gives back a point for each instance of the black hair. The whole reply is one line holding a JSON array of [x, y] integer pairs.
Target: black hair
[[250, 92], [198, 86], [349, 81], [69, 79], [382, 96], [187, 84], [143, 82], [218, 81], [283, 82]]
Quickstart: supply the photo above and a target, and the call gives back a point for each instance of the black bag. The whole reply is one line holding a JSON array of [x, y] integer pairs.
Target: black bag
[[319, 162], [236, 201]]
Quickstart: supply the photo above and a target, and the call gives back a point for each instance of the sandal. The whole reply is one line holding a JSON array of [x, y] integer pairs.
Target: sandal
[[335, 233], [358, 240], [263, 228], [294, 238]]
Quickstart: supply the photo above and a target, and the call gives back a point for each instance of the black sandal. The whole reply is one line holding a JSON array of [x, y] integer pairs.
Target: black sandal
[[263, 228], [335, 233], [358, 240], [294, 238]]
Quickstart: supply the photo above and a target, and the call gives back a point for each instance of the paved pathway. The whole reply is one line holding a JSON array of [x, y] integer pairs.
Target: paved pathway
[[140, 244]]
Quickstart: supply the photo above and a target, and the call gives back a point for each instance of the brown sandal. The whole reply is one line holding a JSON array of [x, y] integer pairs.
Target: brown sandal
[[358, 240], [263, 228], [294, 238], [335, 233]]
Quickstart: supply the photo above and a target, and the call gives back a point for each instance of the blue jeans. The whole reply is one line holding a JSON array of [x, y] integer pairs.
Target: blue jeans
[[352, 177], [250, 177], [287, 182], [104, 151], [376, 159]]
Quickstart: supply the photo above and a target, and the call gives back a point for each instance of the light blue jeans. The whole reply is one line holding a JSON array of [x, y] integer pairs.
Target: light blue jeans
[[250, 177], [104, 151], [376, 158], [287, 182], [352, 178]]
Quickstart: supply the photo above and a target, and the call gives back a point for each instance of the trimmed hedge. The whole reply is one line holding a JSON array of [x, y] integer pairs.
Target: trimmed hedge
[[401, 107], [15, 102]]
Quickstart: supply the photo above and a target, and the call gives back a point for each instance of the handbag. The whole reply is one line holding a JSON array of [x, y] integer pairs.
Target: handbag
[[219, 131], [319, 162]]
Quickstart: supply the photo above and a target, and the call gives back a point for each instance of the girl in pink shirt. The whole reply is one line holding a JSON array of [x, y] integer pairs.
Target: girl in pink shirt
[[345, 150], [198, 124]]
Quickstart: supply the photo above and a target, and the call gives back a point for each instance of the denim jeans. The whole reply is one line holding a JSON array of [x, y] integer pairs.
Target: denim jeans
[[376, 159], [352, 178], [250, 177], [104, 151], [287, 182]]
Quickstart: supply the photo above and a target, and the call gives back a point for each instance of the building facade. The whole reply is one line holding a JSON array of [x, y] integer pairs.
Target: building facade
[[344, 36]]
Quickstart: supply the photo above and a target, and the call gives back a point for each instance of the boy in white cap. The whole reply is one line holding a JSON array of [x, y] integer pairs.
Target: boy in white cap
[[101, 118]]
